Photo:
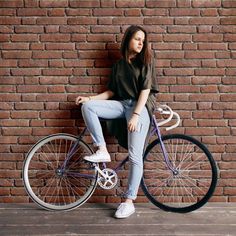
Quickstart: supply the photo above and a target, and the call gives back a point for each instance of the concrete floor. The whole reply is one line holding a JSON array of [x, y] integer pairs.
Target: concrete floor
[[97, 219]]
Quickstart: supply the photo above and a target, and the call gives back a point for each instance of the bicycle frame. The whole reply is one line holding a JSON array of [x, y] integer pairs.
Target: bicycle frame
[[155, 130]]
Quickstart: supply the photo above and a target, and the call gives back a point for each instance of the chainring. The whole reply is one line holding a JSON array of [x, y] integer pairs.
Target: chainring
[[109, 180]]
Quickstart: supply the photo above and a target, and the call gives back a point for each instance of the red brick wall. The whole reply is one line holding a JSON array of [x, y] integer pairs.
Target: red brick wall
[[51, 51]]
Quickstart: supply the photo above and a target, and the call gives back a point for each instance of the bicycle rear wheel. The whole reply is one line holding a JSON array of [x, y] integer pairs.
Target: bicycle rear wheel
[[52, 186], [194, 181]]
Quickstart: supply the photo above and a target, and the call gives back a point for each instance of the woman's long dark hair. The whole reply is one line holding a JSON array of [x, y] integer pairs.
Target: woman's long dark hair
[[145, 55]]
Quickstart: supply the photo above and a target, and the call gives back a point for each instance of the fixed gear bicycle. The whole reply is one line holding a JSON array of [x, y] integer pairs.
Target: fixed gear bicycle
[[180, 174]]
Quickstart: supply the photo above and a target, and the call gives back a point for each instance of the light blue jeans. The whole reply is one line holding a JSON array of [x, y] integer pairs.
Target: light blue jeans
[[111, 109]]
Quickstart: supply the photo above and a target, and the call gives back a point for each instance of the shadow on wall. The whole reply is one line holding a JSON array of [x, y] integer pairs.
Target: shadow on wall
[[104, 59]]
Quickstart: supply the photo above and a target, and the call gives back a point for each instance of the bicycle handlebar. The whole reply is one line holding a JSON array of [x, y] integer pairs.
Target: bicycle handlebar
[[166, 110]]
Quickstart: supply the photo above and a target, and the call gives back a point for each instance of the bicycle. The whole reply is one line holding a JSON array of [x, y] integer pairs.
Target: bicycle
[[180, 174]]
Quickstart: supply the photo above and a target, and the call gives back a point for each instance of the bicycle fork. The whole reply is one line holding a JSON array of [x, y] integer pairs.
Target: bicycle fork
[[166, 156]]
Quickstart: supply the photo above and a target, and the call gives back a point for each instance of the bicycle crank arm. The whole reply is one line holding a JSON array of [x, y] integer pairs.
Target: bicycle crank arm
[[100, 172]]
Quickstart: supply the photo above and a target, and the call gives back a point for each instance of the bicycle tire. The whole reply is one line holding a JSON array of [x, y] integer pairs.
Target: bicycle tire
[[159, 194], [43, 178]]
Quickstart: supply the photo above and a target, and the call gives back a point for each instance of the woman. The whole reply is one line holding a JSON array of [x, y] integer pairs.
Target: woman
[[132, 86]]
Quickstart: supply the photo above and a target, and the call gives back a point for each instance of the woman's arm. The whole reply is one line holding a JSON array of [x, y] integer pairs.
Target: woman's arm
[[132, 125], [102, 96], [142, 101]]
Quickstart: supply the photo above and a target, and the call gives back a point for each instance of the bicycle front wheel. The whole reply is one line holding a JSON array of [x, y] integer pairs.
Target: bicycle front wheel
[[53, 183], [191, 182]]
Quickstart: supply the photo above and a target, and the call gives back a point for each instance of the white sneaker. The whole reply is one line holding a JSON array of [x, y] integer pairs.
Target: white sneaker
[[99, 156], [125, 210]]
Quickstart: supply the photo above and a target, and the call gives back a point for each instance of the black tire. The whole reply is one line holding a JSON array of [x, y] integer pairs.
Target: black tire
[[194, 164], [48, 186]]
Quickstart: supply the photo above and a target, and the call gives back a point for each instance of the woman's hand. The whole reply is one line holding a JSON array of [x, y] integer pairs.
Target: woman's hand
[[80, 99], [133, 123]]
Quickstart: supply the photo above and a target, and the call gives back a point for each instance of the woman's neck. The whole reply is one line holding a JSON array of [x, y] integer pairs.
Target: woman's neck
[[132, 55]]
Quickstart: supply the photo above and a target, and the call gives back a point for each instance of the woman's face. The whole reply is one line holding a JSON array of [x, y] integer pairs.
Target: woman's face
[[136, 43]]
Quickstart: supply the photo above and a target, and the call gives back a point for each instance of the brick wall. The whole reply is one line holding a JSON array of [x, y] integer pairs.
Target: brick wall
[[51, 51]]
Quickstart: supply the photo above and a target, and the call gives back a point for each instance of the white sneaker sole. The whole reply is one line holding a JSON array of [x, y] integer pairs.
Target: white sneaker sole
[[98, 160], [124, 216]]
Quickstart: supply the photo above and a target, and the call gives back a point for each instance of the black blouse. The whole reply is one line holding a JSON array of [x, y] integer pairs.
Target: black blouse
[[127, 81]]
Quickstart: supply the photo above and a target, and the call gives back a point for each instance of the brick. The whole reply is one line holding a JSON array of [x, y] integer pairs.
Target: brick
[[160, 3], [206, 80], [209, 12], [24, 71], [6, 29], [78, 12], [24, 37], [127, 20], [8, 63], [127, 3], [60, 46], [51, 97], [29, 106], [24, 115], [56, 89], [133, 12], [74, 29], [177, 71], [16, 54], [56, 72], [105, 29], [31, 12], [79, 63], [86, 3], [82, 21], [53, 80], [228, 21], [9, 21], [51, 21], [212, 46], [33, 63], [204, 3], [199, 54], [18, 3], [157, 21], [177, 38], [208, 38], [31, 3], [14, 123], [78, 38], [107, 12], [181, 29], [5, 38], [184, 12], [100, 38], [204, 21], [16, 131], [32, 29], [55, 38], [56, 12], [53, 3]]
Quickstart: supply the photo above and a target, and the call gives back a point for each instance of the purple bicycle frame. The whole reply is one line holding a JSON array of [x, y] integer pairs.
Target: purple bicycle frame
[[155, 130]]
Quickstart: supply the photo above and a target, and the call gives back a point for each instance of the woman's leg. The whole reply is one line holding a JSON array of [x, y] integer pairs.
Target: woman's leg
[[136, 141], [95, 109]]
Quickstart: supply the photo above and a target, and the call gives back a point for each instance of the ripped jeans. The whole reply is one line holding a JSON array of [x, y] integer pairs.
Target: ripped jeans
[[111, 109]]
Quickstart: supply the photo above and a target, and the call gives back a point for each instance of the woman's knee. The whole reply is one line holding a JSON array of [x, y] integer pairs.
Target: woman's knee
[[86, 107], [136, 158]]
